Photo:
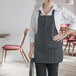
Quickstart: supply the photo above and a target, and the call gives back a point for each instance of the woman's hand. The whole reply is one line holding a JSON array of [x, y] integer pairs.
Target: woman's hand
[[31, 52], [60, 36]]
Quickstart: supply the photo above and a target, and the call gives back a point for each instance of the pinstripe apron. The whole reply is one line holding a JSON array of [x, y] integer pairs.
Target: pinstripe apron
[[46, 50]]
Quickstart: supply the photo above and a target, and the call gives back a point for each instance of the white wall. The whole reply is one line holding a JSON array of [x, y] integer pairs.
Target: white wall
[[15, 16], [70, 7]]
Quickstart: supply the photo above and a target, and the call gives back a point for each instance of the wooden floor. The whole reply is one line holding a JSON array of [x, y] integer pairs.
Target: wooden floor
[[66, 68]]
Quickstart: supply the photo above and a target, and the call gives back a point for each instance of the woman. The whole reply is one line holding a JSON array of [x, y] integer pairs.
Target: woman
[[45, 39]]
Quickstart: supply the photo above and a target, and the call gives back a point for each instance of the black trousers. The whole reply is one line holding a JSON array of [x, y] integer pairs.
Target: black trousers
[[42, 69]]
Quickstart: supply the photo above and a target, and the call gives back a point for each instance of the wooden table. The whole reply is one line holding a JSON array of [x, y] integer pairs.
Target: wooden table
[[4, 35]]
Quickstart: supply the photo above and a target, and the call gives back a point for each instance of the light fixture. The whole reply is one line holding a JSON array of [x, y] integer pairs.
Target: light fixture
[[69, 2]]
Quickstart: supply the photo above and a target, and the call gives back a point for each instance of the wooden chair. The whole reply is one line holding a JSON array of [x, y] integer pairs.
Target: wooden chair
[[63, 28], [74, 44], [16, 48], [70, 39]]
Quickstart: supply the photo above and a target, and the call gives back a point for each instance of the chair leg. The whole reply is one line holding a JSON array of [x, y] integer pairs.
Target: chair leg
[[65, 47], [4, 52], [69, 47], [73, 50], [23, 57]]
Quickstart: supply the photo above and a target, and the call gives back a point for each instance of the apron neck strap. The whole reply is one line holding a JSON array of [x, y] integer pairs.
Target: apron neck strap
[[53, 12], [39, 12]]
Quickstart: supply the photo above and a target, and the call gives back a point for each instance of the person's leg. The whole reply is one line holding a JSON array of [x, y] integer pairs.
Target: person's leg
[[40, 69], [52, 69]]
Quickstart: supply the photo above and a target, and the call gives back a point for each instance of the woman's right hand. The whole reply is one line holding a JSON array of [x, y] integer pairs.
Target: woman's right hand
[[30, 54]]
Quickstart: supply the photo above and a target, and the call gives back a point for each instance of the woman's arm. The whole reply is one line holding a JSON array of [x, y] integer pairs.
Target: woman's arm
[[67, 15], [70, 16], [32, 34]]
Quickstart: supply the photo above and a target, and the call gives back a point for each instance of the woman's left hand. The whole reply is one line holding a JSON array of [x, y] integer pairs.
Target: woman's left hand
[[60, 36]]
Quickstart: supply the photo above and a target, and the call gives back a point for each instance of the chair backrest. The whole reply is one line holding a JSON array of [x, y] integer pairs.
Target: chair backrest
[[72, 37], [65, 25], [25, 34]]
